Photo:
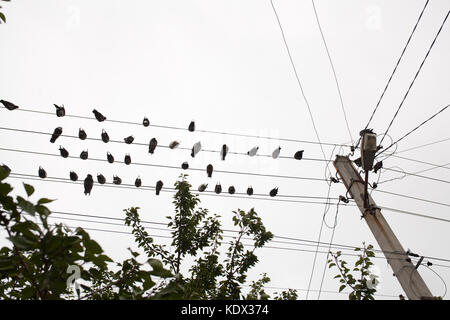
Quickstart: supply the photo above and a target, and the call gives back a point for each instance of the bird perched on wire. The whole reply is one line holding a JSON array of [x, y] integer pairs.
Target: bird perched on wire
[[231, 190], [84, 154], [174, 144], [73, 176], [60, 111], [299, 155], [250, 191], [196, 149], [252, 152], [105, 136], [129, 140], [82, 134], [185, 165], [145, 122], [224, 151], [202, 187], [152, 145], [191, 127], [9, 105], [127, 159], [117, 180], [110, 157], [209, 170], [377, 166], [101, 178], [88, 184], [64, 153], [98, 116], [276, 153], [138, 182], [42, 173], [273, 192], [56, 133], [159, 186], [218, 188]]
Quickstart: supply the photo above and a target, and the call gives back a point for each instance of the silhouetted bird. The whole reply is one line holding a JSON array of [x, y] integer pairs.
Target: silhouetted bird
[[99, 116], [146, 122], [84, 154], [117, 180], [42, 173], [105, 137], [185, 165], [110, 157], [252, 152], [159, 186], [273, 192], [196, 149], [202, 187], [299, 155], [374, 185], [64, 153], [191, 127], [231, 190], [174, 144], [60, 111], [82, 134], [276, 153], [377, 166], [6, 168], [152, 145], [249, 191], [129, 140], [9, 105], [101, 178], [73, 176], [138, 182], [223, 152], [88, 184], [127, 159], [56, 133], [209, 170], [218, 188]]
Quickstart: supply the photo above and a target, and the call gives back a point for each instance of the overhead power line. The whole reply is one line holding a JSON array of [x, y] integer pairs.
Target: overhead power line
[[417, 175], [422, 146]]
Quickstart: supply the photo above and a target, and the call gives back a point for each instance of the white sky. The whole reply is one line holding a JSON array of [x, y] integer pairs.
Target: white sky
[[224, 65]]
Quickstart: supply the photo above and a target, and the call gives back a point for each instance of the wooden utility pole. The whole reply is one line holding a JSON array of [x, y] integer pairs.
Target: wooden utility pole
[[405, 272]]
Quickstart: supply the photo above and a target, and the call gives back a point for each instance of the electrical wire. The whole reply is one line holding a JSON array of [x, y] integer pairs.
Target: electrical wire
[[418, 175], [417, 172]]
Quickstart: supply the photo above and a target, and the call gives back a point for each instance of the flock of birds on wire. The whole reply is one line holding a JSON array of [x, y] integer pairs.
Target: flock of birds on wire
[[89, 180]]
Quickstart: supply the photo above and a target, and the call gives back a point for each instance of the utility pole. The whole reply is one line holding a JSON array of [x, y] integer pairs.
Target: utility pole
[[405, 272]]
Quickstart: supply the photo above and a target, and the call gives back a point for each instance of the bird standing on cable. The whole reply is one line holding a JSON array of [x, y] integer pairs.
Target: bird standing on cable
[[185, 165], [273, 192], [99, 116], [377, 166], [73, 176], [209, 170], [299, 155], [117, 180], [196, 149], [82, 134], [145, 122], [218, 188], [101, 178], [129, 140], [138, 182], [202, 187], [231, 190], [223, 152], [152, 145], [159, 186], [9, 105], [276, 153], [60, 111], [42, 173], [64, 153], [191, 127], [110, 157], [84, 154], [174, 144], [105, 136], [56, 133], [250, 191], [127, 159], [252, 152], [88, 184]]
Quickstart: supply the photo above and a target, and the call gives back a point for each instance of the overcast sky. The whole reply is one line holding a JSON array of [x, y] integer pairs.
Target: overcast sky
[[224, 65]]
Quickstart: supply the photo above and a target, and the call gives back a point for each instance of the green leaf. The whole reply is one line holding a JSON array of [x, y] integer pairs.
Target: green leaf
[[5, 188], [3, 173], [341, 287], [93, 247], [29, 189], [44, 201], [26, 206]]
